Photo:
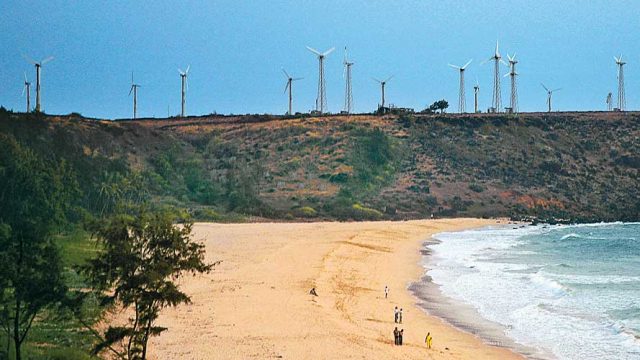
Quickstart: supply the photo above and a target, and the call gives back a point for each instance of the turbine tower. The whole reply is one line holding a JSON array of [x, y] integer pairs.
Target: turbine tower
[[497, 59], [290, 81], [38, 66], [514, 88], [321, 100], [621, 98], [348, 96], [185, 87], [462, 100], [609, 102], [27, 90], [383, 83], [134, 89], [549, 95], [476, 90]]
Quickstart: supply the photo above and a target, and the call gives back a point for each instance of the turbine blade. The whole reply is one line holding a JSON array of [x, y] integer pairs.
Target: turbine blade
[[24, 89], [454, 66], [131, 89], [484, 62], [46, 60], [504, 62], [544, 87], [376, 80], [389, 78], [29, 59], [467, 64], [286, 87], [187, 71], [558, 89], [314, 51], [25, 77], [180, 71], [328, 51], [286, 73], [507, 74], [296, 79]]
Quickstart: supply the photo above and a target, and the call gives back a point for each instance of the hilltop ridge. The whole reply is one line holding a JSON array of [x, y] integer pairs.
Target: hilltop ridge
[[547, 166]]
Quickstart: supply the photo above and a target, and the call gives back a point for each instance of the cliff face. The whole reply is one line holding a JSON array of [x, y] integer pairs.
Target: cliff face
[[580, 166]]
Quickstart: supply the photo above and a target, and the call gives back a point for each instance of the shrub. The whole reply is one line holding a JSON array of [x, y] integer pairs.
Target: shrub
[[364, 213], [306, 211]]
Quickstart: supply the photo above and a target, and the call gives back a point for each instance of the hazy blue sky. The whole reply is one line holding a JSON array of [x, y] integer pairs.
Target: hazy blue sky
[[237, 48]]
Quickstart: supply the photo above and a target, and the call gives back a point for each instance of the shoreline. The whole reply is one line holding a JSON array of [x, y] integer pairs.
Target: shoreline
[[460, 315], [256, 304]]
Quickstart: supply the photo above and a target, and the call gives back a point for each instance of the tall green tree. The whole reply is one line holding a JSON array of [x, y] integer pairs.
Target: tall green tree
[[141, 258], [34, 195]]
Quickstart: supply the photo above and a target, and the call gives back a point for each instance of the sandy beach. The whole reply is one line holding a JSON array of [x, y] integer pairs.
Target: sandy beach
[[256, 303]]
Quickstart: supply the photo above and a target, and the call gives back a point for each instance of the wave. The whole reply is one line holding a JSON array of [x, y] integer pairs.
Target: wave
[[572, 235]]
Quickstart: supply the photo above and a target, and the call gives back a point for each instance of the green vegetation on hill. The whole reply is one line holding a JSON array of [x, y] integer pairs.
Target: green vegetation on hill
[[581, 166]]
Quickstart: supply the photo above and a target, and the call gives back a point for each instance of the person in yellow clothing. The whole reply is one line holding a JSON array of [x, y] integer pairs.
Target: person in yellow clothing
[[428, 340]]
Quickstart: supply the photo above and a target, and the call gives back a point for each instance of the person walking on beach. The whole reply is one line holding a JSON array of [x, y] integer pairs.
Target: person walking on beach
[[396, 336], [386, 291], [395, 315], [428, 340], [400, 316], [400, 334]]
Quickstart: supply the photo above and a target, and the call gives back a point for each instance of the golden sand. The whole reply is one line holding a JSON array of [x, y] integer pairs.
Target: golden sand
[[256, 303]]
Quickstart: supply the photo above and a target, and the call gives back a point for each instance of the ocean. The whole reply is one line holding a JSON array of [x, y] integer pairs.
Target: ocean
[[551, 292]]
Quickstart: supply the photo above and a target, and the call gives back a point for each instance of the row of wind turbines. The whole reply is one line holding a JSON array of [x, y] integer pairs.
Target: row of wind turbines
[[512, 74], [133, 89], [321, 101]]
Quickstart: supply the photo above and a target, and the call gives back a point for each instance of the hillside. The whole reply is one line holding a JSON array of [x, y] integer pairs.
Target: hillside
[[574, 166]]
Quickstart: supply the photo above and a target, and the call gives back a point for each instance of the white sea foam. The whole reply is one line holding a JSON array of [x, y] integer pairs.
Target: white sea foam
[[558, 307]]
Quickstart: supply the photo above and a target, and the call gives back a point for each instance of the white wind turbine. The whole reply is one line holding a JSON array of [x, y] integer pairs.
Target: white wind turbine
[[134, 90], [38, 66], [461, 95], [185, 87], [290, 81], [549, 95], [383, 83], [27, 91], [321, 100]]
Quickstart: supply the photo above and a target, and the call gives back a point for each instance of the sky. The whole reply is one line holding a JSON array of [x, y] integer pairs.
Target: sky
[[236, 50]]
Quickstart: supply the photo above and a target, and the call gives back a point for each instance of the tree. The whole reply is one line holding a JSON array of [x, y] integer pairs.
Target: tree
[[142, 257], [441, 105], [35, 196]]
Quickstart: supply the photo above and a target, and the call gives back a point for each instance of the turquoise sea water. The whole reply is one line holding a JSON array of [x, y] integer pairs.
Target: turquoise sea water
[[571, 292]]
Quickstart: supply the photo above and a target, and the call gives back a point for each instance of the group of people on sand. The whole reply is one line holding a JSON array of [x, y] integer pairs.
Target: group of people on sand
[[397, 334], [397, 318]]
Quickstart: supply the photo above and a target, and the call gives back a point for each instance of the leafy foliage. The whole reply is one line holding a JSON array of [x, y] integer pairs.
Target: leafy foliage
[[142, 257], [35, 196]]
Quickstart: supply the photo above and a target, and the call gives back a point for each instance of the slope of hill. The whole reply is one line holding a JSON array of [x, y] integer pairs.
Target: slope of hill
[[573, 166]]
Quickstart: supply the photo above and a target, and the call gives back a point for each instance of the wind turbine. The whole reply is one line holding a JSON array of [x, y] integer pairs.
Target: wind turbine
[[514, 89], [290, 81], [476, 90], [185, 87], [383, 83], [38, 66], [134, 89], [321, 100], [549, 95], [462, 100], [27, 90], [348, 95], [609, 102], [497, 58], [621, 96]]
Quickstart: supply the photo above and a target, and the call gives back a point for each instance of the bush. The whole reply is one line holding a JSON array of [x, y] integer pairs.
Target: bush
[[364, 213], [306, 211], [476, 187]]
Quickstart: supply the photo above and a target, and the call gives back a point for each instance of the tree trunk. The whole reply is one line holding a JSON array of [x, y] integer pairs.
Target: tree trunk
[[16, 331]]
